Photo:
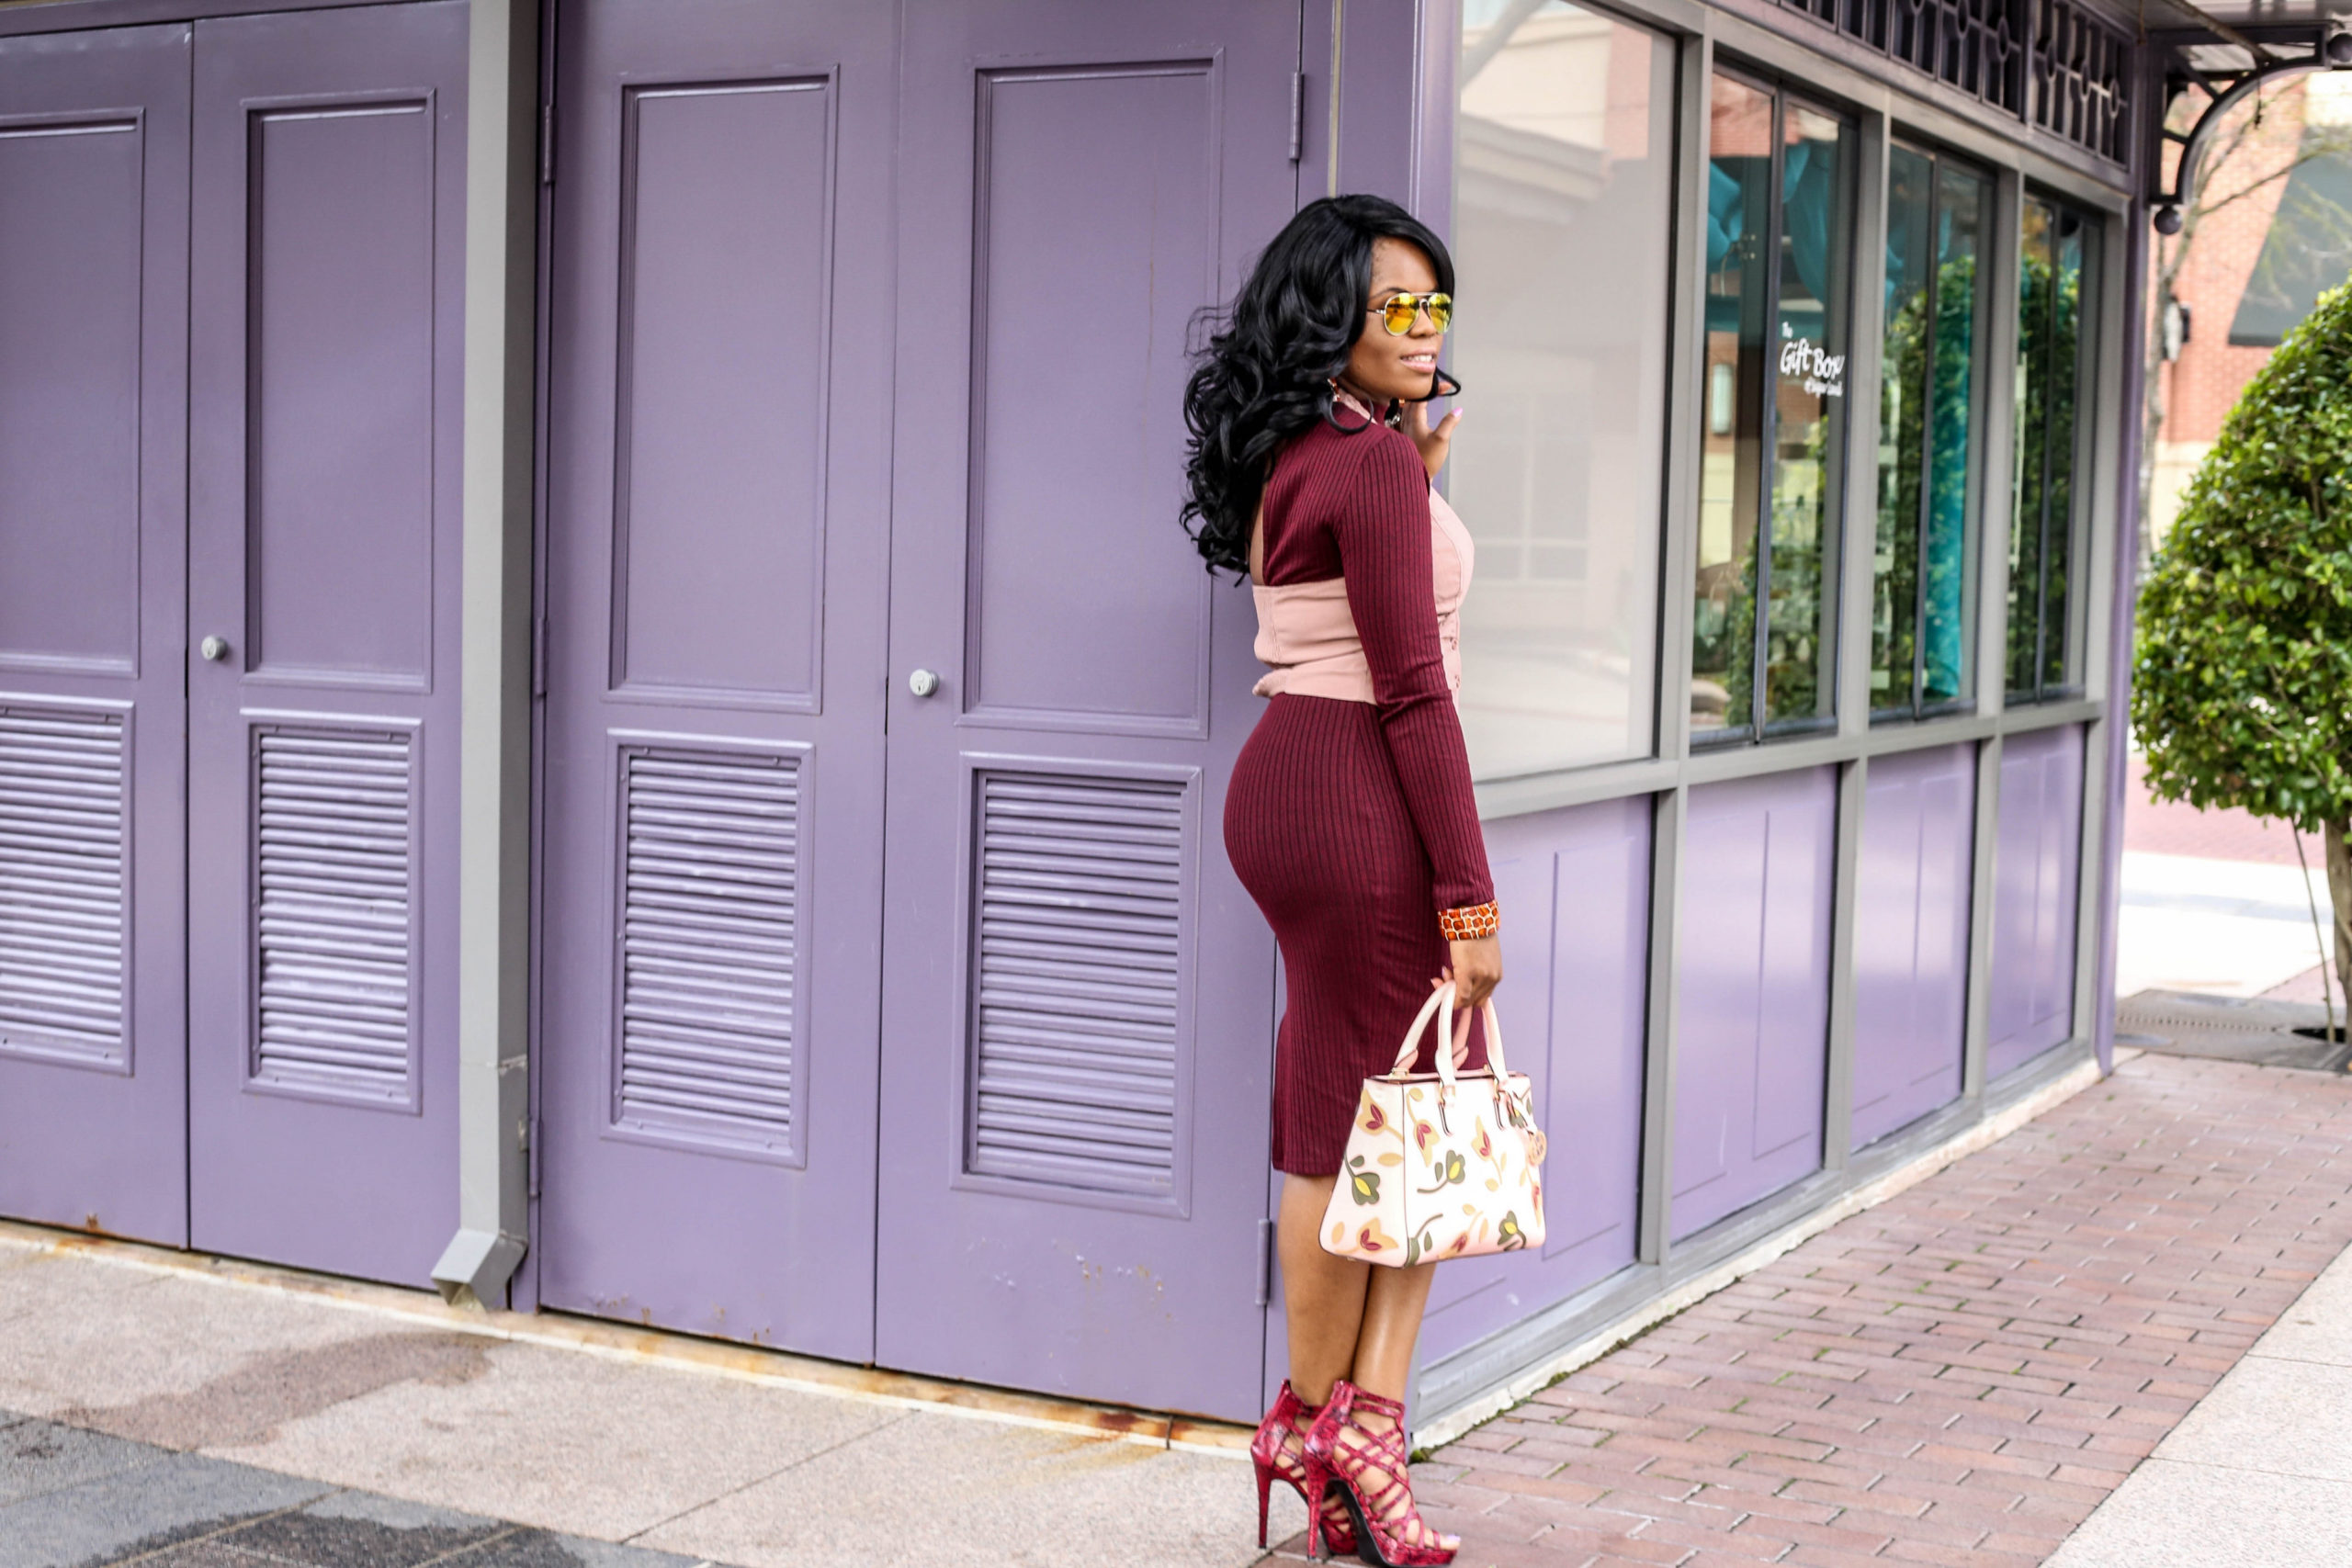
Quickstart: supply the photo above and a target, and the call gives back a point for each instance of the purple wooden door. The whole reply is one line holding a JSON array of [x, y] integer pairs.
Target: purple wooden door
[[93, 131], [1753, 991], [326, 274], [1078, 993], [718, 520], [2036, 869], [1911, 936]]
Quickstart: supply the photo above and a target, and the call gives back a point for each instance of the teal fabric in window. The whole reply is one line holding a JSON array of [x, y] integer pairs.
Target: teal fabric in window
[[1929, 490]]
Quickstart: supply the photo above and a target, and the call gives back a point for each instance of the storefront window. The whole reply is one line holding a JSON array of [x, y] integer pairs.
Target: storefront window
[[2060, 255], [1563, 225], [1779, 237], [1930, 392]]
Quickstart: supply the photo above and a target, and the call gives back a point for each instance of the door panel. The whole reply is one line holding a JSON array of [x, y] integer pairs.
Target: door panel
[[1049, 164], [1754, 991], [1911, 936], [326, 259], [719, 513], [93, 148], [1075, 1043], [2036, 866]]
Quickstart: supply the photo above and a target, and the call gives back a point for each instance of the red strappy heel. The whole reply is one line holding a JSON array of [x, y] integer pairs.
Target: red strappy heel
[[1374, 1485], [1280, 1450]]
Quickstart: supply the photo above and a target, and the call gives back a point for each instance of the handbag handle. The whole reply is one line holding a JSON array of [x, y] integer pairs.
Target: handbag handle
[[1440, 1002]]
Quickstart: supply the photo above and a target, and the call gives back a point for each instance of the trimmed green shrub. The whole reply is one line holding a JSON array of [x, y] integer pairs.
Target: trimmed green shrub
[[2242, 688]]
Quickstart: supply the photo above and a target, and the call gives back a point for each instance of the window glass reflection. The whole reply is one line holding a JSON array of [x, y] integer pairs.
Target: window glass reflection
[[1780, 208], [1923, 610], [2058, 257], [1739, 198], [1561, 231], [1800, 568]]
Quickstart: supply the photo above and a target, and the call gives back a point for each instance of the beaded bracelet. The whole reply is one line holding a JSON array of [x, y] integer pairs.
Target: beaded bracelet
[[1470, 922]]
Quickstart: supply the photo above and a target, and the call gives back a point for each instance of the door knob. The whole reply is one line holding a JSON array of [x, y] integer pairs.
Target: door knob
[[922, 683], [214, 649]]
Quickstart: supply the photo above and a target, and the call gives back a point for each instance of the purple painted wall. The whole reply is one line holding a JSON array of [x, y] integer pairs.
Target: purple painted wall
[[2036, 869], [1911, 936], [92, 618], [1576, 964], [1753, 991]]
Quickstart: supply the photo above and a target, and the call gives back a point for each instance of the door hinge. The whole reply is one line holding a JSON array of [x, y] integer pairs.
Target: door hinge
[[532, 1139], [539, 656], [546, 144], [1298, 114], [1265, 1262]]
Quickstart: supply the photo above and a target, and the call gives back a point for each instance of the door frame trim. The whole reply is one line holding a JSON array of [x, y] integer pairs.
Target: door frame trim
[[24, 16]]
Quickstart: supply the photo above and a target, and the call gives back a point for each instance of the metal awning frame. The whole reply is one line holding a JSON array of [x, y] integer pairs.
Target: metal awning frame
[[2329, 47]]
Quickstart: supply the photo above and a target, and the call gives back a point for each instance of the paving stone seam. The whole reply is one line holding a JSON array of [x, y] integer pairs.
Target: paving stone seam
[[227, 1529]]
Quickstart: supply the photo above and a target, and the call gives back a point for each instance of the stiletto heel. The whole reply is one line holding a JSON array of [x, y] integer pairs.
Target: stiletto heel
[[1317, 1478], [1279, 1452], [1376, 1487]]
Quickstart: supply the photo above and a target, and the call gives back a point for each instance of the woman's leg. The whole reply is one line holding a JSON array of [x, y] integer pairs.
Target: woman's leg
[[1392, 1322], [1347, 1319], [1323, 1295], [1394, 1303]]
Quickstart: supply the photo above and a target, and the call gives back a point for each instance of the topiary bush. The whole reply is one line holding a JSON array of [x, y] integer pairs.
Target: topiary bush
[[2242, 687]]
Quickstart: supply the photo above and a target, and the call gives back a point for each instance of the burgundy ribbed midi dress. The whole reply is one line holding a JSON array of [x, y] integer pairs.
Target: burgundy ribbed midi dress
[[1352, 823]]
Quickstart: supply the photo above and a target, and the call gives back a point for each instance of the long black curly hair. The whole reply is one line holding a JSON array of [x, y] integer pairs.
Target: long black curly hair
[[1267, 375]]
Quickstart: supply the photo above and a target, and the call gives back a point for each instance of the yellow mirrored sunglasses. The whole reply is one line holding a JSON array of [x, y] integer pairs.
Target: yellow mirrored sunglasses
[[1397, 313]]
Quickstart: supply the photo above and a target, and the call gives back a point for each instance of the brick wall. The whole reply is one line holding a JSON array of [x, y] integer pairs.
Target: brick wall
[[2200, 386]]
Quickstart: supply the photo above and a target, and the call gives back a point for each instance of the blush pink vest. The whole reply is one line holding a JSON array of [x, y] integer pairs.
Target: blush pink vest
[[1307, 635]]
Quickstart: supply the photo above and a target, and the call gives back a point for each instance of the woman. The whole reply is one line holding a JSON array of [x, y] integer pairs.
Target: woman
[[1349, 819]]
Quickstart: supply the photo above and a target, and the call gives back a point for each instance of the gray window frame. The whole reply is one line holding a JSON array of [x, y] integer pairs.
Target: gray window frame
[[1887, 102]]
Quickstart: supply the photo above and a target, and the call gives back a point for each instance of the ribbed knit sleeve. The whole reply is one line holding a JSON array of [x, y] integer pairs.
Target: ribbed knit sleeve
[[1382, 533]]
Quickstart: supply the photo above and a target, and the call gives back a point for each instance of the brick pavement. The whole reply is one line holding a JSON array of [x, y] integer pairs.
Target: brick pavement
[[1957, 1376], [2176, 827]]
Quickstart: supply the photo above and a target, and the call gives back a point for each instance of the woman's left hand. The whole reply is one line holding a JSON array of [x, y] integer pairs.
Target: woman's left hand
[[1434, 444], [1476, 969]]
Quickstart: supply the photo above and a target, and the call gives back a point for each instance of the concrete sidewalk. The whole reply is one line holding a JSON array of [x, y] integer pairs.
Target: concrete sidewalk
[[1962, 1374], [243, 1385], [72, 1496]]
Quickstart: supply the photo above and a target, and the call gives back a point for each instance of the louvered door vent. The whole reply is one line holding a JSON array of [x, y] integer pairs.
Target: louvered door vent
[[1077, 969], [63, 892], [708, 943], [335, 897]]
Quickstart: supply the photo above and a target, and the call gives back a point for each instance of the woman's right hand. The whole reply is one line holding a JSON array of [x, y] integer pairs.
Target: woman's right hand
[[1432, 444]]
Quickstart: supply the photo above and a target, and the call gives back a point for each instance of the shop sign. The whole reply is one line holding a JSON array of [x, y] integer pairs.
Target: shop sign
[[1824, 374]]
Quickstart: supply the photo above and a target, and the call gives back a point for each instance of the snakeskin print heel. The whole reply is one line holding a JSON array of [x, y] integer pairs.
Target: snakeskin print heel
[[1278, 1452], [1367, 1461]]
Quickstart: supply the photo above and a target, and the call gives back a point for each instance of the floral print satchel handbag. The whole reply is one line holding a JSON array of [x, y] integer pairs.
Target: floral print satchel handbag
[[1439, 1165]]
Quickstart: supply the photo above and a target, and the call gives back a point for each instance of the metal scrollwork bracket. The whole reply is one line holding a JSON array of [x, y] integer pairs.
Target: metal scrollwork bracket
[[2330, 50]]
